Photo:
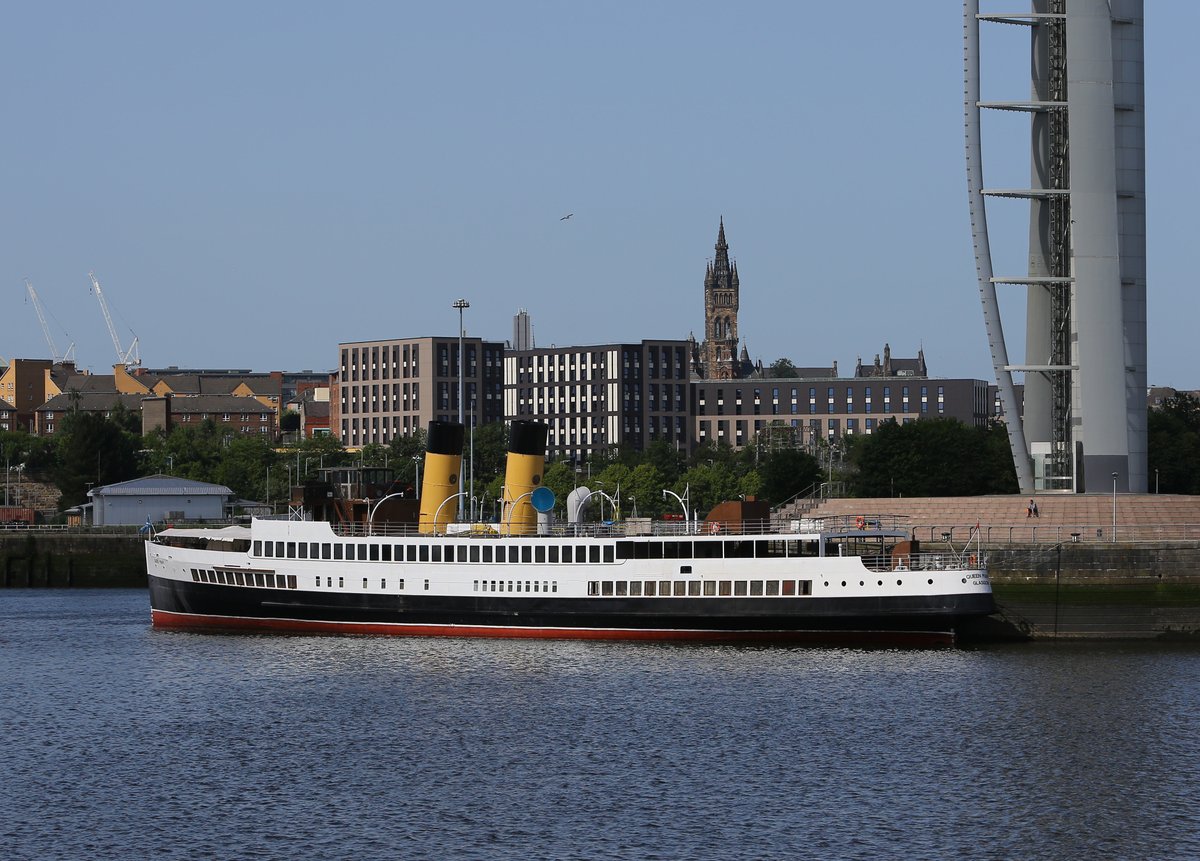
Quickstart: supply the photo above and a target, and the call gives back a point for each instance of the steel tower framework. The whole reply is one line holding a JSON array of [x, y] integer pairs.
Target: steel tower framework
[[1083, 412]]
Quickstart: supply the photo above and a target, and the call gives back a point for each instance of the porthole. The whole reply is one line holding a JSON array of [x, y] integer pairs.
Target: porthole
[[843, 582], [964, 579], [899, 582], [861, 583], [880, 582], [827, 583], [930, 582]]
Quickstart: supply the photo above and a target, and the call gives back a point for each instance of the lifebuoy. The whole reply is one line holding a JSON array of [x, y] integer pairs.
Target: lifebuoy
[[860, 522], [714, 528]]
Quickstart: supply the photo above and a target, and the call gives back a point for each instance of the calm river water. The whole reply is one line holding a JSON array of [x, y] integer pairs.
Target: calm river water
[[124, 742]]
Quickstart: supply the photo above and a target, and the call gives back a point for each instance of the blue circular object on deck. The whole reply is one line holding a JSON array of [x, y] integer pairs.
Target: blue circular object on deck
[[542, 499]]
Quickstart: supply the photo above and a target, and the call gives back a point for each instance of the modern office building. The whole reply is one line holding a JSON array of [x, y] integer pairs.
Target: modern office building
[[815, 408], [598, 398], [394, 388], [1083, 423]]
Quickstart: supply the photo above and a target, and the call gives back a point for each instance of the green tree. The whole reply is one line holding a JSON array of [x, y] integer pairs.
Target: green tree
[[560, 478], [785, 473], [243, 466], [189, 451], [782, 369], [668, 460], [491, 445], [713, 452], [92, 451], [1173, 437], [18, 447], [612, 481], [644, 484], [709, 484], [376, 455], [933, 457]]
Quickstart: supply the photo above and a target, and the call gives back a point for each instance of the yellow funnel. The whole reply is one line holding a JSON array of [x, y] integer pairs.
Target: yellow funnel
[[522, 475], [443, 468]]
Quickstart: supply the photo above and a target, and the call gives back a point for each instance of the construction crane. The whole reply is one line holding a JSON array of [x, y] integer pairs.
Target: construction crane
[[69, 356], [130, 358]]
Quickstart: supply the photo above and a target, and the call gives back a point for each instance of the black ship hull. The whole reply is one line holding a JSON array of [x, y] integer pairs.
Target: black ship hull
[[914, 619]]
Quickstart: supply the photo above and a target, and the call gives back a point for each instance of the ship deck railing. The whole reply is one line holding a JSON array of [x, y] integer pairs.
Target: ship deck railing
[[868, 526], [898, 563]]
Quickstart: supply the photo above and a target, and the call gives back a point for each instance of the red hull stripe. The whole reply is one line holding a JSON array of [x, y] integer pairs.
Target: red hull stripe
[[168, 619]]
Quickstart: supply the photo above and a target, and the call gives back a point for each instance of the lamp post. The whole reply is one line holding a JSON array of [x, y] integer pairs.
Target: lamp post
[[603, 496], [461, 305], [683, 503], [374, 508], [1057, 580], [417, 462], [471, 463], [1114, 525], [506, 509], [438, 513]]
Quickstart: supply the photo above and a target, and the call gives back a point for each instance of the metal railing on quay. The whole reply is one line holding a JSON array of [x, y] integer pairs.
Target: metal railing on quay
[[64, 528], [1057, 533]]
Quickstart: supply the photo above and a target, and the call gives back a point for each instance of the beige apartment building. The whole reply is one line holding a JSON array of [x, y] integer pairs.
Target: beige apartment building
[[393, 388]]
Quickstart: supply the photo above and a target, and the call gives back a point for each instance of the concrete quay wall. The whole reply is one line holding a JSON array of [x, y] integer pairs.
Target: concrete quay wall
[[71, 559], [1082, 591]]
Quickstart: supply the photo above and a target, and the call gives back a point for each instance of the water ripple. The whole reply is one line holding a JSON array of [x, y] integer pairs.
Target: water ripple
[[130, 742]]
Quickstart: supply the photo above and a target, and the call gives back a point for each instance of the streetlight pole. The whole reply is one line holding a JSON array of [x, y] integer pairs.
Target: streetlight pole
[[461, 305], [683, 501], [1057, 580], [1114, 525]]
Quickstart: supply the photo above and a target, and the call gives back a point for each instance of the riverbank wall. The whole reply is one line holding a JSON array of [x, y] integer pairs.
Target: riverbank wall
[[1098, 591], [47, 559]]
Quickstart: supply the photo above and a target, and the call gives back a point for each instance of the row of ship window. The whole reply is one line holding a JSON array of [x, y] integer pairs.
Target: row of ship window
[[698, 588], [530, 586], [263, 579], [474, 552], [552, 553]]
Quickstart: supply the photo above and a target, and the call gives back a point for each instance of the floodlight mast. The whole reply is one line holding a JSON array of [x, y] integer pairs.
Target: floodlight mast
[[129, 358]]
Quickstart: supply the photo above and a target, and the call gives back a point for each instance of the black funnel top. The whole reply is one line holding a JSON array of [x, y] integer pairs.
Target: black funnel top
[[445, 438], [527, 437]]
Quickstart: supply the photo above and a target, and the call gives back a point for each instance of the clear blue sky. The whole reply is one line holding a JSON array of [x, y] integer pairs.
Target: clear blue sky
[[255, 182]]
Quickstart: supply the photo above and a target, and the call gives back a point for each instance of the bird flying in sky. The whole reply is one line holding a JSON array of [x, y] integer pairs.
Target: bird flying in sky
[[565, 217]]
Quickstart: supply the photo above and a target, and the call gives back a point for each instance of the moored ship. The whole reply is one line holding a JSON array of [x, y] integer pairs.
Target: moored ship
[[737, 577]]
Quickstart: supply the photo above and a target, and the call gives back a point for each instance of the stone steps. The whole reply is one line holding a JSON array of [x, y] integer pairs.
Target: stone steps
[[1138, 516]]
